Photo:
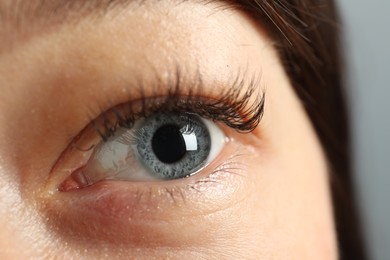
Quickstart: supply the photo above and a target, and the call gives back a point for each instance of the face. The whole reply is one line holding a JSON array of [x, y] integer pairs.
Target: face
[[155, 130]]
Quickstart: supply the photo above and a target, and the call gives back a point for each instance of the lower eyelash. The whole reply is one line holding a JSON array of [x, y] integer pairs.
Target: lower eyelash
[[177, 193]]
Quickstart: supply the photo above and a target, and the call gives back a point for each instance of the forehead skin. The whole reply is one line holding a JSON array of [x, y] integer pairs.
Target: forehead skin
[[59, 70]]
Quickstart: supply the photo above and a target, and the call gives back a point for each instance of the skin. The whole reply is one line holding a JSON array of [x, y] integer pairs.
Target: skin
[[274, 204]]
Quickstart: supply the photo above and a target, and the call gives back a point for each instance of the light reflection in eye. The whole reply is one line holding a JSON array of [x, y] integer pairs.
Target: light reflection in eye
[[160, 147], [190, 141]]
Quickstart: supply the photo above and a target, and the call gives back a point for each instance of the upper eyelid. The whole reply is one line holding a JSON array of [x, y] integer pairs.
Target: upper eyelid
[[240, 105]]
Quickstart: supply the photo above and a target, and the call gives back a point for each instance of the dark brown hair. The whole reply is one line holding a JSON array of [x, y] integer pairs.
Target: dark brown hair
[[306, 34]]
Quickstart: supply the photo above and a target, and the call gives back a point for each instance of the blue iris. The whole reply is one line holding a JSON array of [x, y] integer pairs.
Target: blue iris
[[173, 145]]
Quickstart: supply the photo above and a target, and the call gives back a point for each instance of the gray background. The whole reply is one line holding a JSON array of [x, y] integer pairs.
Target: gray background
[[367, 42]]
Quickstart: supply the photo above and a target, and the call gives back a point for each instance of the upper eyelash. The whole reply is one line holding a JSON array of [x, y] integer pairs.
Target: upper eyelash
[[232, 108]]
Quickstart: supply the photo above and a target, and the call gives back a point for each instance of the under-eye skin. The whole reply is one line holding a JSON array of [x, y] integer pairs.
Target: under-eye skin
[[168, 137]]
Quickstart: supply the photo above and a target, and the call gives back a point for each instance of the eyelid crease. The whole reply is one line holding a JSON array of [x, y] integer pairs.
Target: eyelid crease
[[237, 109]]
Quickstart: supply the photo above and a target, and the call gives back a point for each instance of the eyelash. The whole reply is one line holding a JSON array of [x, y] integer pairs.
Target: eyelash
[[232, 109], [239, 110]]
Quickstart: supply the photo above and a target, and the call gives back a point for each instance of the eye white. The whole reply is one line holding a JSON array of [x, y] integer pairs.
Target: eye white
[[218, 140], [118, 157]]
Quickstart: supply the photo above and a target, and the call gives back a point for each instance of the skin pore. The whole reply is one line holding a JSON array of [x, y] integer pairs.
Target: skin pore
[[55, 79]]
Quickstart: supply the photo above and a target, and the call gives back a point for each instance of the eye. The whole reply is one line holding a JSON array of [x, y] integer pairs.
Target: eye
[[163, 146], [165, 137]]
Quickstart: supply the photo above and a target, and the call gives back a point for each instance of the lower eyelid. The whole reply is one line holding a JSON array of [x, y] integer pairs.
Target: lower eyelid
[[221, 179], [120, 201], [120, 213]]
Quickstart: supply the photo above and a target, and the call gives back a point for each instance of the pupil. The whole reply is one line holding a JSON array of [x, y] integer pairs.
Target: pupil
[[168, 144]]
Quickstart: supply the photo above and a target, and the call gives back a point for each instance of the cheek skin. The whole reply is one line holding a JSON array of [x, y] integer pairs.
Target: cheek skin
[[278, 209], [296, 175]]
